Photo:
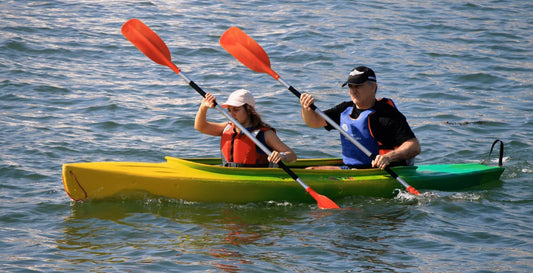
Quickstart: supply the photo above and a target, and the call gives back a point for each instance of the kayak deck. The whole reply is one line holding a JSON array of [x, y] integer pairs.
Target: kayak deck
[[202, 180]]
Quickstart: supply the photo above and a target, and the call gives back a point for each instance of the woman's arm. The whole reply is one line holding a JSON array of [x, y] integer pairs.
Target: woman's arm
[[200, 122], [278, 147]]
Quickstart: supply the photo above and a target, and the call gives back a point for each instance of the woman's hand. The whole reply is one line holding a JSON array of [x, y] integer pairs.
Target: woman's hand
[[209, 100], [276, 157]]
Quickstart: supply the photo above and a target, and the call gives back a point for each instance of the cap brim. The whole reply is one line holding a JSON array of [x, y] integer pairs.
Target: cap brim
[[344, 84], [225, 105]]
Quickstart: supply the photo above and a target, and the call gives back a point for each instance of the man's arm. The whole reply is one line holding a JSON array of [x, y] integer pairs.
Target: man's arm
[[407, 150], [310, 117]]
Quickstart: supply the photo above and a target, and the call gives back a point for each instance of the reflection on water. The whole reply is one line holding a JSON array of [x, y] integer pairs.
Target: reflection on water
[[176, 228], [74, 89], [229, 237]]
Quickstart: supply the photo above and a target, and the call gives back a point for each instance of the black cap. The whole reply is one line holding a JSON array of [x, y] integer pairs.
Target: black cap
[[360, 75]]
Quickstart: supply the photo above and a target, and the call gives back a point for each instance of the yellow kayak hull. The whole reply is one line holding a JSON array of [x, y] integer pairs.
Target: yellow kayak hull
[[202, 180]]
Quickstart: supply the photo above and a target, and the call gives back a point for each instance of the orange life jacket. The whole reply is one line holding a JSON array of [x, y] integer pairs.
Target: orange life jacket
[[240, 151]]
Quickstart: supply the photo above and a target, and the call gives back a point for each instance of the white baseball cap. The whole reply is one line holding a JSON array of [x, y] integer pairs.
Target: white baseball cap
[[240, 97]]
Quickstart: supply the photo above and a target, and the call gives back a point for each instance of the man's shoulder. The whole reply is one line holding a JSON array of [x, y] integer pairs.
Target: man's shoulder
[[385, 103], [342, 106], [386, 107]]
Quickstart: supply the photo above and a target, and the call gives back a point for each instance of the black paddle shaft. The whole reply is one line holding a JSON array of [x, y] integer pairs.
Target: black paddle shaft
[[298, 94]]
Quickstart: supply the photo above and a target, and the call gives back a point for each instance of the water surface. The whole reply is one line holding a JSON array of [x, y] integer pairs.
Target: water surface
[[73, 89]]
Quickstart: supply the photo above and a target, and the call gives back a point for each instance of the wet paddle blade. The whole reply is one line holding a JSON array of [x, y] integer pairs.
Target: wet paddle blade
[[247, 51], [412, 190], [322, 201], [147, 41]]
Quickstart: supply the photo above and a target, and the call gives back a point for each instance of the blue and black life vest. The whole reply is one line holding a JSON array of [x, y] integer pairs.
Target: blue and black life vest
[[361, 130]]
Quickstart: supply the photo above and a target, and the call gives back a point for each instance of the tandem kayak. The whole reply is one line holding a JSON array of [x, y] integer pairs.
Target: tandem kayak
[[204, 180]]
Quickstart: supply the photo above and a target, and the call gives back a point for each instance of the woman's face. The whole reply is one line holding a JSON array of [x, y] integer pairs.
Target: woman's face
[[240, 114]]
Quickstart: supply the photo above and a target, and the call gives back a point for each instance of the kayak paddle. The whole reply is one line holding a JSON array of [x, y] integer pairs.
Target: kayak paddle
[[149, 43], [251, 54]]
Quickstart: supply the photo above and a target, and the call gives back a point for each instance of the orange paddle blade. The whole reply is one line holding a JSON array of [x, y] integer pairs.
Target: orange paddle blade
[[412, 190], [322, 201], [247, 51], [147, 41]]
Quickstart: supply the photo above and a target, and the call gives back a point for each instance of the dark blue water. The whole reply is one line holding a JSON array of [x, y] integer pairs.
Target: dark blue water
[[73, 89]]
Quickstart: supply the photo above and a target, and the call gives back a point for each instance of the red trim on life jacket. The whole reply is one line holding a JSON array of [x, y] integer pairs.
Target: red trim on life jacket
[[382, 151]]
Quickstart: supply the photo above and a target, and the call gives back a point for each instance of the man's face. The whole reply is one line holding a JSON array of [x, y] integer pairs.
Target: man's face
[[363, 94]]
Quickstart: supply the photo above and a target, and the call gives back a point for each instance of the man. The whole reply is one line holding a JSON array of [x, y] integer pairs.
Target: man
[[376, 124]]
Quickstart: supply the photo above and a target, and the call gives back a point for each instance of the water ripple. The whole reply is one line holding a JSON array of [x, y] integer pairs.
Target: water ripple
[[75, 90]]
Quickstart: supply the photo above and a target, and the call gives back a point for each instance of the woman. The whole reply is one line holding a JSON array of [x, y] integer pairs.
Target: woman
[[237, 149]]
